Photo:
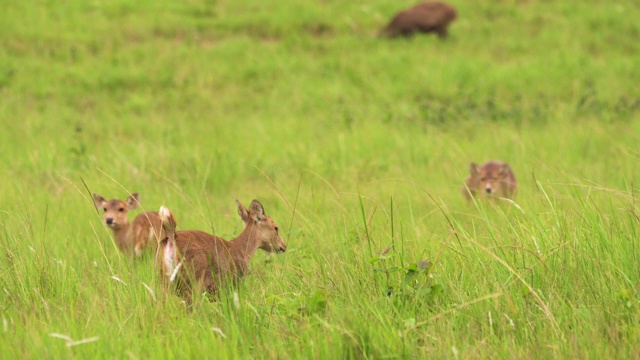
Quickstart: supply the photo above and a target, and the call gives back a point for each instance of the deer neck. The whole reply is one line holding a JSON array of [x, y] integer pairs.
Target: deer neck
[[246, 244], [122, 234]]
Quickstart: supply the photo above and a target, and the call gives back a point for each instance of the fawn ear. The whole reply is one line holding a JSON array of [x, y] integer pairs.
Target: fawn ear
[[242, 211], [474, 169], [256, 210], [133, 201], [99, 201], [504, 169]]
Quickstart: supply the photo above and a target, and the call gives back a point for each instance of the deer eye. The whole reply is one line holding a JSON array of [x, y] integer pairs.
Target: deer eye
[[121, 209], [105, 209], [276, 229]]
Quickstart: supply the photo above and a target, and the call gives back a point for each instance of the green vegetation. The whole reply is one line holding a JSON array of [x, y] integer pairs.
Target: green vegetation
[[354, 145]]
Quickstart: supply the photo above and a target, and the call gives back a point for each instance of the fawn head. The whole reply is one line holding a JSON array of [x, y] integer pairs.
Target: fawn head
[[115, 211], [491, 178], [262, 227]]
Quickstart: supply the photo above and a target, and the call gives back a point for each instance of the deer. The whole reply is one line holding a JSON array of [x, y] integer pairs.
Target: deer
[[146, 228], [195, 260], [422, 18], [493, 179]]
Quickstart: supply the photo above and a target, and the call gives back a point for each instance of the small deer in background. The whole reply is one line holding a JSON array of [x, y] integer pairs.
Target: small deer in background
[[146, 227], [493, 179], [197, 261]]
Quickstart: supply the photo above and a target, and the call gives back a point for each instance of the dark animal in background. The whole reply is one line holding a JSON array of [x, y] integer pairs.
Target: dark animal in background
[[492, 179], [424, 18]]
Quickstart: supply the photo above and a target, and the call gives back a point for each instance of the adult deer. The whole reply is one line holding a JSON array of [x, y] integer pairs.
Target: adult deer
[[196, 260]]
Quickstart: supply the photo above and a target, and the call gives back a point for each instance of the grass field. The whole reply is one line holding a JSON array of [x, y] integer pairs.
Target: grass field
[[353, 144]]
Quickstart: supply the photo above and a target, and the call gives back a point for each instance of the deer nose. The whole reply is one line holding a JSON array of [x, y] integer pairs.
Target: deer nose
[[282, 248], [109, 221], [488, 190]]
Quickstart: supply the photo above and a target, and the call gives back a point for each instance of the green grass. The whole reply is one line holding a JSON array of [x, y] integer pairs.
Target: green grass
[[354, 145]]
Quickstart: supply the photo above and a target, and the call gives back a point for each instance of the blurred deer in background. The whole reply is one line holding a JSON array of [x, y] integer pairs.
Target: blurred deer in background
[[492, 179]]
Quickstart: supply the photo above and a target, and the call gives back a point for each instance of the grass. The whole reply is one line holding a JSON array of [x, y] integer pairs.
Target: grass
[[356, 146]]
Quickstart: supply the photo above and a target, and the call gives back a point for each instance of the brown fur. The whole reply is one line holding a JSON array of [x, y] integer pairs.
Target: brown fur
[[423, 18], [196, 260], [493, 179], [135, 236]]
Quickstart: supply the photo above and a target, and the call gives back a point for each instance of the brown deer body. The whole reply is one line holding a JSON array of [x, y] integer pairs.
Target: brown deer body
[[492, 179], [196, 260], [424, 18], [145, 230]]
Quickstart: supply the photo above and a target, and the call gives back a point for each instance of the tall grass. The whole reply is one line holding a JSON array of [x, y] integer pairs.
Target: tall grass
[[356, 146]]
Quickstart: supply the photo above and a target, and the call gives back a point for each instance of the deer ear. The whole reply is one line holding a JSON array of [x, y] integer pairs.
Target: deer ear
[[256, 210], [98, 201], [242, 211], [133, 201], [474, 169]]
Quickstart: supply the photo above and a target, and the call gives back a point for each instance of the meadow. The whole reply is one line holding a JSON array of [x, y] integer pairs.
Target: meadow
[[357, 146]]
